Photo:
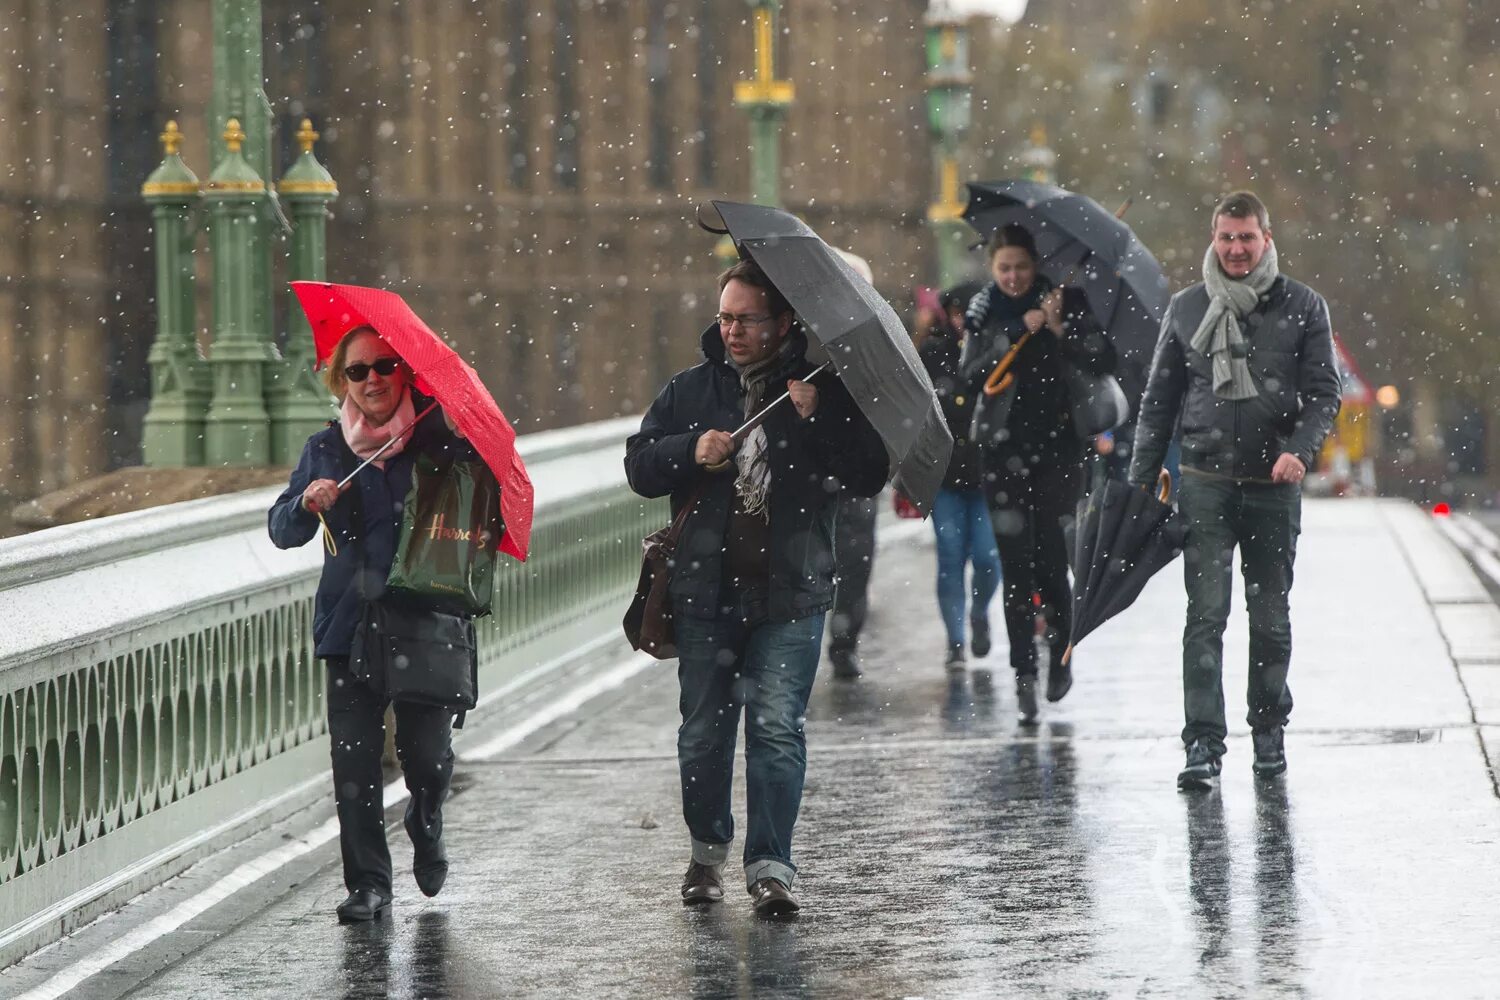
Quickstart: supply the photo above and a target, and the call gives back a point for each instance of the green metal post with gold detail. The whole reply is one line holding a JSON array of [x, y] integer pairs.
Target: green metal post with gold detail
[[180, 384], [238, 429], [1038, 161], [298, 402], [766, 99], [950, 88]]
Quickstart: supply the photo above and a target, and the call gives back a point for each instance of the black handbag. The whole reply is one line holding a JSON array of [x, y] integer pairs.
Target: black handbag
[[405, 649], [407, 652]]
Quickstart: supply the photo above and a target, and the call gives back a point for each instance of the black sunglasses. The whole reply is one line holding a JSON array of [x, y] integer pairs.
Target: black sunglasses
[[361, 371]]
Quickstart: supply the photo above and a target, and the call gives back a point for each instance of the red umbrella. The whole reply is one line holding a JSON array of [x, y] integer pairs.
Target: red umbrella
[[334, 310]]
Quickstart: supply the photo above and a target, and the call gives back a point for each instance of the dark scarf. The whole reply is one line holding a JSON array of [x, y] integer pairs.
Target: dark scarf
[[993, 304], [753, 484]]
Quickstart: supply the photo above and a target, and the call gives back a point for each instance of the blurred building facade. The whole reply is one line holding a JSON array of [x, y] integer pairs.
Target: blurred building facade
[[525, 171]]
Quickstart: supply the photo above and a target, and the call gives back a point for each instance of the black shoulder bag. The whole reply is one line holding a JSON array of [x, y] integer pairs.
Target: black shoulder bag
[[407, 650]]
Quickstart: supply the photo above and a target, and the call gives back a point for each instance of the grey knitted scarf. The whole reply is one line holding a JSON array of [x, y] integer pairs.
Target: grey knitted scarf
[[1230, 300], [753, 484]]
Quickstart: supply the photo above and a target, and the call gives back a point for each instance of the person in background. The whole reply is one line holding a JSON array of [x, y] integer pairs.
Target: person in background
[[960, 513], [854, 558], [1033, 460]]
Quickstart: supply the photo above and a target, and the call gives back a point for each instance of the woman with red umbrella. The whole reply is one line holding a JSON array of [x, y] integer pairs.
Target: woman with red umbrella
[[378, 425]]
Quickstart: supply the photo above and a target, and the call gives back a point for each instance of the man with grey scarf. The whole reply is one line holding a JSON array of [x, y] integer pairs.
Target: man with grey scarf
[[1245, 362], [752, 577]]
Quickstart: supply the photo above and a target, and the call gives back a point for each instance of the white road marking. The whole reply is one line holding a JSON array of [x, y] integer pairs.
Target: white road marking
[[1475, 540]]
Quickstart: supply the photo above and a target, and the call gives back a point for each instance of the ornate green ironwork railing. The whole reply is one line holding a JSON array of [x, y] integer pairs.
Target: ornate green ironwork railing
[[157, 676]]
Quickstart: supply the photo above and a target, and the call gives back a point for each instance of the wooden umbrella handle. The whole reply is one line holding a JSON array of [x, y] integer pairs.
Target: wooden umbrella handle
[[1000, 379], [1164, 486]]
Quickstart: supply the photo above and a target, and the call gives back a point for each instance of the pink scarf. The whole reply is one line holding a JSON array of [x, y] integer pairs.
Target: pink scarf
[[365, 438]]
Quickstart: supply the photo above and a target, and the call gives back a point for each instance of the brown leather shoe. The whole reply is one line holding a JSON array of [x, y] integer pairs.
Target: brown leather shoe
[[702, 884], [772, 899]]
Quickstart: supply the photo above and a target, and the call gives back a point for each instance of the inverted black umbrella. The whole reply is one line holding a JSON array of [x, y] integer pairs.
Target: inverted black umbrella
[[1083, 244], [1125, 535], [861, 335]]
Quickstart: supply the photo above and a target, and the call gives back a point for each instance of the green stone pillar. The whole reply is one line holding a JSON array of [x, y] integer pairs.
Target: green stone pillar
[[949, 95], [238, 429], [180, 385], [298, 401], [766, 99], [238, 94]]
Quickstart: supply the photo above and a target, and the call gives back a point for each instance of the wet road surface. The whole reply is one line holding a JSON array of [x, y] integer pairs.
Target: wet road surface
[[945, 851]]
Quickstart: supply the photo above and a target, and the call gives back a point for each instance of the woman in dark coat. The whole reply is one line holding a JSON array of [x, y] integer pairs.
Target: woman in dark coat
[[374, 387], [960, 512], [1033, 457]]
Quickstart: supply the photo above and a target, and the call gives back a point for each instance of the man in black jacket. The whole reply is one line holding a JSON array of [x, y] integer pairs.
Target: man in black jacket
[[1246, 360], [753, 572]]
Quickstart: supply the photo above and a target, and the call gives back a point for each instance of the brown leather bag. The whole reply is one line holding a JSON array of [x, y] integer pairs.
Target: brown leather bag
[[648, 621]]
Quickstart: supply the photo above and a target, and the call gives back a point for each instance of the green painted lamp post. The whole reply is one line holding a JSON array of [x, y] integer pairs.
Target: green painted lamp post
[[297, 400], [949, 94], [238, 429], [179, 376], [1038, 161], [766, 99]]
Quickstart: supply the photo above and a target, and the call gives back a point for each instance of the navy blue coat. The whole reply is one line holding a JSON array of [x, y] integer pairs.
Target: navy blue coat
[[813, 462], [382, 493]]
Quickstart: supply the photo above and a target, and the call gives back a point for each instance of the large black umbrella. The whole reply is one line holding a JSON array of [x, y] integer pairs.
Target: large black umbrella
[[861, 334], [1124, 536], [1083, 244]]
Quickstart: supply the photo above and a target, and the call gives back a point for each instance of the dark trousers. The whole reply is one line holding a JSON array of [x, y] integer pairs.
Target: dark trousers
[[1263, 520], [1031, 507], [854, 557], [740, 660], [356, 733]]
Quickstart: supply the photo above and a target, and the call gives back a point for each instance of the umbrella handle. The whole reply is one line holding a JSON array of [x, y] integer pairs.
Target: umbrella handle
[[1067, 654], [1164, 486], [1001, 378], [744, 429]]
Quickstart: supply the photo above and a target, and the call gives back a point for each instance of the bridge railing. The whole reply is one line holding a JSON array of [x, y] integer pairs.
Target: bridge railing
[[159, 697]]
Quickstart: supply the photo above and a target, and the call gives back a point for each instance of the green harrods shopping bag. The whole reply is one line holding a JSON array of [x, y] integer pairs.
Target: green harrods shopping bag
[[450, 535]]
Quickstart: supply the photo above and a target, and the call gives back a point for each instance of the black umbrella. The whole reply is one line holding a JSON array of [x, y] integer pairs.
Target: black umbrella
[[1083, 244], [1124, 536], [861, 334]]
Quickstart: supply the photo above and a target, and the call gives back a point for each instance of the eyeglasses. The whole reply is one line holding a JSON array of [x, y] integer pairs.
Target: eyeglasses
[[726, 320], [383, 366]]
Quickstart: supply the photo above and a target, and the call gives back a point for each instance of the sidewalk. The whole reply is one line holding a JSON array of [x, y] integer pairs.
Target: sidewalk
[[946, 853]]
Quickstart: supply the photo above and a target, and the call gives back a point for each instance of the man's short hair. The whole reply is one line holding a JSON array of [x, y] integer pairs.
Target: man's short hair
[[750, 273], [1242, 205]]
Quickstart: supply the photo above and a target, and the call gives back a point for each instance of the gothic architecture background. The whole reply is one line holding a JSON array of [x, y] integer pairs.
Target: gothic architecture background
[[525, 171]]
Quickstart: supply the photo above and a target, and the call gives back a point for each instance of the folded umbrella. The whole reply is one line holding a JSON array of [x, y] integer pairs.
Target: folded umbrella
[[1125, 535], [861, 335], [1081, 243], [334, 310]]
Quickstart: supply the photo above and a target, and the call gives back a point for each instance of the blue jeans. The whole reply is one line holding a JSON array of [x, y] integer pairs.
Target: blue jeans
[[740, 660], [965, 535]]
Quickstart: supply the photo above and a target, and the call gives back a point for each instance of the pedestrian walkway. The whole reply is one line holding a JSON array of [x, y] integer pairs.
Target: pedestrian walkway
[[944, 850]]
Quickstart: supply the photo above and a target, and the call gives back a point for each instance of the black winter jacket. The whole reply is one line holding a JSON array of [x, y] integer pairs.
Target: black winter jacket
[[940, 354], [1291, 359], [381, 496], [813, 462], [1040, 421]]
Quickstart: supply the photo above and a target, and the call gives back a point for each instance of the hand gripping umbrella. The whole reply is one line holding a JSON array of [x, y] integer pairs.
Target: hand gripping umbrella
[[1124, 536], [861, 335], [1081, 243], [334, 310]]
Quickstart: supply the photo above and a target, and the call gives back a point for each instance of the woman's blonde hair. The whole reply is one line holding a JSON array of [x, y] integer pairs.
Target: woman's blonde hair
[[333, 374]]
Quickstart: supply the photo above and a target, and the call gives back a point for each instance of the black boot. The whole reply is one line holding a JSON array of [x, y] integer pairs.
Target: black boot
[[979, 637], [955, 661], [1026, 708]]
